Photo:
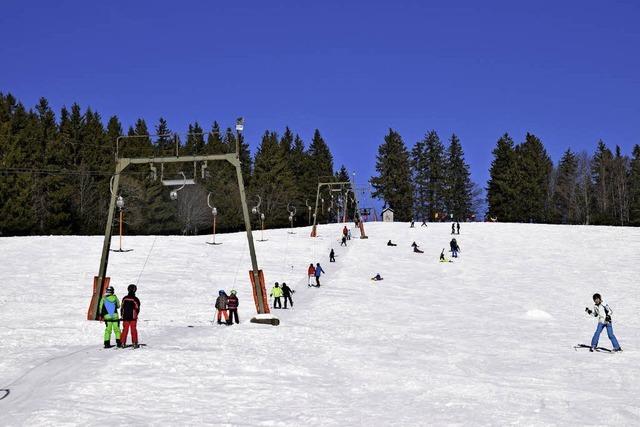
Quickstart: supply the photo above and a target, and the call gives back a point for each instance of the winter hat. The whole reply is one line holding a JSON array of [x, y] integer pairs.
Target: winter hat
[[597, 296], [233, 292], [221, 292], [132, 288], [109, 290]]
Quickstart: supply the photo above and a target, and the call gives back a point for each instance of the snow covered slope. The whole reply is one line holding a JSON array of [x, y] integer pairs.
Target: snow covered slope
[[485, 340]]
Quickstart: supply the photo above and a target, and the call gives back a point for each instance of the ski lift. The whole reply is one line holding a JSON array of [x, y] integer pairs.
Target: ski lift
[[203, 170], [292, 214], [214, 212], [154, 171], [174, 193]]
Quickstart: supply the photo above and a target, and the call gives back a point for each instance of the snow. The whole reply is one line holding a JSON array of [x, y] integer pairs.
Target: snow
[[485, 340]]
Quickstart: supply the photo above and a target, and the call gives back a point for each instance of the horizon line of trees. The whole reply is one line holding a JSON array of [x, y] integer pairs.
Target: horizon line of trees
[[55, 177]]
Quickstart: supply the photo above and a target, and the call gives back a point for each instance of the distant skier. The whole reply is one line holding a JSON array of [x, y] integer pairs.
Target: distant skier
[[377, 277], [603, 312], [129, 312], [453, 244], [457, 228], [414, 245], [318, 273], [108, 309], [343, 242], [453, 228], [443, 258], [276, 293], [345, 231], [221, 306], [232, 305], [424, 223], [413, 223], [332, 256], [349, 235], [311, 272], [390, 243], [286, 293]]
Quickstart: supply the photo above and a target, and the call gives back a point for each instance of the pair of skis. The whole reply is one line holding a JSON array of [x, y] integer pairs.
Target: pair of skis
[[598, 349]]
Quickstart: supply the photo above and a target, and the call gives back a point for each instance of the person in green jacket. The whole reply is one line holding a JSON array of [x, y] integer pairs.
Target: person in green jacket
[[276, 293], [109, 306]]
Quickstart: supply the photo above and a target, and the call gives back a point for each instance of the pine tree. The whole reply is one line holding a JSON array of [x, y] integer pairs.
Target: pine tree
[[533, 172], [459, 188], [564, 198], [634, 187], [420, 180], [601, 170], [393, 183], [501, 186], [165, 143]]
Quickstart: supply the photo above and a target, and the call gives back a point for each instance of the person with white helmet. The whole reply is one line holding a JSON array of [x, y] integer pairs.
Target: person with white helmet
[[108, 309]]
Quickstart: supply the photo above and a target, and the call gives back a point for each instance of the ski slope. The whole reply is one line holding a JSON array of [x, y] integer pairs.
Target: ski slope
[[485, 340]]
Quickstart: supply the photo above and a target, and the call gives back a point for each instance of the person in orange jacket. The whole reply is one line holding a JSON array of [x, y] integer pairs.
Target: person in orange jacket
[[311, 272]]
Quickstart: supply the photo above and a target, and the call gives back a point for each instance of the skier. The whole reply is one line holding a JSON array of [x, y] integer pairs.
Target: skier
[[349, 235], [457, 228], [332, 256], [286, 293], [221, 306], [424, 223], [311, 272], [108, 309], [414, 245], [453, 228], [603, 312], [129, 312], [343, 242], [443, 258], [390, 243], [276, 293], [345, 231], [412, 225], [318, 272], [453, 244], [232, 305], [377, 277]]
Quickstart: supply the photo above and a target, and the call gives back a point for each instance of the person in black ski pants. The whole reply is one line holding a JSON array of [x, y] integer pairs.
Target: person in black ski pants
[[344, 241], [390, 243], [458, 227], [286, 293], [232, 306], [332, 256], [453, 228]]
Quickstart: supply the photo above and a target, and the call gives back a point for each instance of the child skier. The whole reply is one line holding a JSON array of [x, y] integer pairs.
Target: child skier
[[276, 293], [221, 306], [232, 305], [332, 256], [108, 309], [442, 257], [129, 312], [286, 293], [319, 271], [311, 272], [603, 312]]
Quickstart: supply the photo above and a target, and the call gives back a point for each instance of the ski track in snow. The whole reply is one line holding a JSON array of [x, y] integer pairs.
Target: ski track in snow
[[485, 340]]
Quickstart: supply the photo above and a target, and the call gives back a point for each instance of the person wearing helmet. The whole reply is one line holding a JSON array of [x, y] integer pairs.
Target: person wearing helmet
[[129, 312], [221, 306], [232, 305], [603, 312], [108, 309], [276, 293]]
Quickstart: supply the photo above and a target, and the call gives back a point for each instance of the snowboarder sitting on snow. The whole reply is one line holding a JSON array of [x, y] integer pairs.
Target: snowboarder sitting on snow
[[377, 277], [414, 245], [389, 243], [286, 293], [311, 272], [232, 305], [108, 309], [332, 256], [454, 248], [603, 312], [276, 293], [221, 306], [318, 272], [129, 312]]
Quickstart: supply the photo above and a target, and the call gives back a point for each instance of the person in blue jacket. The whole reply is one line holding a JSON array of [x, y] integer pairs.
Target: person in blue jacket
[[108, 309], [319, 271]]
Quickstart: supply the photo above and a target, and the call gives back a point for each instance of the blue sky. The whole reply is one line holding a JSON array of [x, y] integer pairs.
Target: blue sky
[[568, 71]]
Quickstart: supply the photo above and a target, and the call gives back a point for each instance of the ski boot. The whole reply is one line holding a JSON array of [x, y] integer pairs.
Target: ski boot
[[119, 344], [107, 344]]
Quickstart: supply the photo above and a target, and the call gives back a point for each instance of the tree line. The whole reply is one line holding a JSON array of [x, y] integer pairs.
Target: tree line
[[55, 174], [55, 177]]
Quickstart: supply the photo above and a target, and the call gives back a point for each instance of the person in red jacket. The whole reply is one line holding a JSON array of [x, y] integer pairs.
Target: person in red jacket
[[129, 311], [311, 272], [232, 305]]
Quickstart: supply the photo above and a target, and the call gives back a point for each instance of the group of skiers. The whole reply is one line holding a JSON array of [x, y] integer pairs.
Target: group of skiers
[[283, 291], [129, 310], [227, 307]]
